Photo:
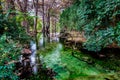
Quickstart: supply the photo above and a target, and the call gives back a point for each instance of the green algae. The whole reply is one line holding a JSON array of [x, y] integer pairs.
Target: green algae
[[68, 67]]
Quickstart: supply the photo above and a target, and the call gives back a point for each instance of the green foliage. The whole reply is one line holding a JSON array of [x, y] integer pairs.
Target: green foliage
[[22, 17], [39, 25], [12, 34], [100, 39], [97, 18], [8, 52], [12, 27]]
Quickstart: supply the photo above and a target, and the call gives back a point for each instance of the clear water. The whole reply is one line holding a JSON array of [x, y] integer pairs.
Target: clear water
[[67, 67]]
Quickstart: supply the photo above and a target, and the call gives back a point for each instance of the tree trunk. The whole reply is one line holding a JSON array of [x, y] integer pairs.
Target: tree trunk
[[23, 8], [11, 7], [1, 27], [48, 25], [43, 30], [36, 14], [35, 20], [43, 19], [55, 27], [1, 11]]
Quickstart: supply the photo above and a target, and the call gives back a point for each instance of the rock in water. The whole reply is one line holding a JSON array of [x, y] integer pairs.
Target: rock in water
[[26, 51]]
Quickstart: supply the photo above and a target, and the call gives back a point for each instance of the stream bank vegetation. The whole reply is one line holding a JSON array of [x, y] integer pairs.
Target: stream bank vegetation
[[12, 38]]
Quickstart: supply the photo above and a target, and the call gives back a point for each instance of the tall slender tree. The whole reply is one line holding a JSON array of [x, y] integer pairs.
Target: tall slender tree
[[43, 16], [35, 4], [23, 7], [1, 7]]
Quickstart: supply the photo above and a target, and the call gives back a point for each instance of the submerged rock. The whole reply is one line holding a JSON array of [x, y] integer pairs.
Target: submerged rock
[[26, 51]]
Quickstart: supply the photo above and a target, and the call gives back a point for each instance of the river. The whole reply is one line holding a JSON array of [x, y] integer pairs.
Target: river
[[60, 59]]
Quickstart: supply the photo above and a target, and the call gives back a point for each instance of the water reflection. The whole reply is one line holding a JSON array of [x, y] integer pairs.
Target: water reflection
[[33, 58], [28, 62], [41, 41], [54, 37], [53, 58]]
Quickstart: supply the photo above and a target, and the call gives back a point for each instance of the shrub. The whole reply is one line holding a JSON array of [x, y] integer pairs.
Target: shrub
[[99, 19], [8, 53]]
